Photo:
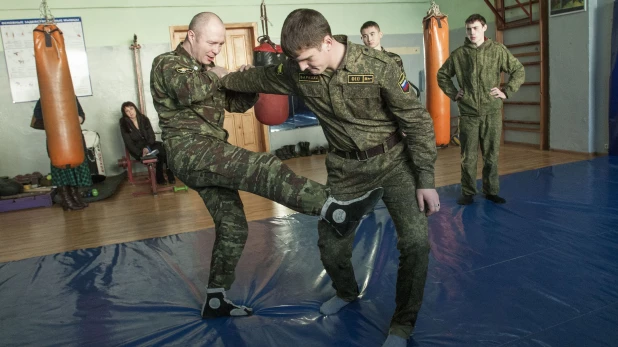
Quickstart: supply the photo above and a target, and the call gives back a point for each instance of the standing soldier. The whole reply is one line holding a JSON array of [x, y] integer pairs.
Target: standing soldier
[[372, 36], [185, 91], [477, 65], [363, 102]]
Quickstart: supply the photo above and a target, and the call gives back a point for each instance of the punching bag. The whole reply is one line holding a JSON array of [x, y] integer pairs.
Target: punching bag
[[270, 109], [58, 103], [435, 34]]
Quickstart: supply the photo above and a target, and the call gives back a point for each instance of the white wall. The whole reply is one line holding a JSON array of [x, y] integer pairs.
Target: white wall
[[579, 78]]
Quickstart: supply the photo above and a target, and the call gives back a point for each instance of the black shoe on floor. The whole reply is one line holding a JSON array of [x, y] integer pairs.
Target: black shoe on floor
[[495, 198], [345, 216], [217, 305], [465, 200], [170, 177]]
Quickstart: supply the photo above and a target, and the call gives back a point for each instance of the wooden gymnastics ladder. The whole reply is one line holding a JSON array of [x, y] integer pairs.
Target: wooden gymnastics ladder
[[525, 117]]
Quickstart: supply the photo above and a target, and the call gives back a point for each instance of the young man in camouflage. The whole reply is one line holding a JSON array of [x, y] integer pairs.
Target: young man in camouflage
[[372, 36], [363, 102], [185, 91], [477, 65]]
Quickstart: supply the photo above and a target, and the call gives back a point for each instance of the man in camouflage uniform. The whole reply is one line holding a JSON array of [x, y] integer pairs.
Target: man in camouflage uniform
[[478, 65], [371, 36], [363, 102], [186, 94]]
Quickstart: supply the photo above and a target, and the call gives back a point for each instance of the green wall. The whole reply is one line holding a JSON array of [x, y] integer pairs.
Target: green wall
[[113, 22]]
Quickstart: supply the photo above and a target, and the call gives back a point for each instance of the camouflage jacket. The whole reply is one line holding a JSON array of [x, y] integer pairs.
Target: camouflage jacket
[[399, 62], [395, 57], [478, 71], [188, 99], [359, 105]]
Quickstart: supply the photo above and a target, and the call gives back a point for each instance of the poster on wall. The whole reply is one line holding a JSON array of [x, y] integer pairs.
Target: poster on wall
[[558, 7], [18, 43]]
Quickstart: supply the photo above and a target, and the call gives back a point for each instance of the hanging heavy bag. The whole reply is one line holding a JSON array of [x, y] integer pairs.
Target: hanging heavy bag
[[271, 109], [436, 52], [60, 115]]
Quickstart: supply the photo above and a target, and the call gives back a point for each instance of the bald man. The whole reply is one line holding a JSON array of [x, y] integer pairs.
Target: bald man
[[185, 89]]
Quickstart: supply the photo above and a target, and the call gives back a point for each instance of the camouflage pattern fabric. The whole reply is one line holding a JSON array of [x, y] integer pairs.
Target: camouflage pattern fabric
[[478, 71], [395, 57], [399, 62], [486, 132], [393, 172], [359, 105], [187, 98], [191, 114]]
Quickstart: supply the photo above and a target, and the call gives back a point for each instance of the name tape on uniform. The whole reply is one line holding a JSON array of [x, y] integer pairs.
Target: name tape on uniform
[[308, 78], [360, 78]]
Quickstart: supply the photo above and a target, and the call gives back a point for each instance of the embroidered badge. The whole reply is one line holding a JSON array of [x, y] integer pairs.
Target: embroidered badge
[[360, 78], [404, 84], [302, 77], [183, 70], [280, 69]]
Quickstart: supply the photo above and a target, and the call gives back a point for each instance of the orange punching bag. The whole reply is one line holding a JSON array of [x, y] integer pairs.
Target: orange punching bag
[[270, 109], [58, 103], [435, 33]]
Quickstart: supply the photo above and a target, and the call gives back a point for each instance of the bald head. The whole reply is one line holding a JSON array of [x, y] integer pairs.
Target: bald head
[[204, 20], [205, 37]]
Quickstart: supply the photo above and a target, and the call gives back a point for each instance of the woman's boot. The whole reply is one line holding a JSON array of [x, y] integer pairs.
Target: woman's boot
[[77, 197], [67, 199]]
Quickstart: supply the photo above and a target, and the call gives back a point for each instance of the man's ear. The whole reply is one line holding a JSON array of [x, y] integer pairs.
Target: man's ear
[[190, 36], [381, 34]]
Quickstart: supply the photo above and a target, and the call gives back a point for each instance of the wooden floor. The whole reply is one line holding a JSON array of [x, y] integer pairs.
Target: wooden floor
[[123, 218]]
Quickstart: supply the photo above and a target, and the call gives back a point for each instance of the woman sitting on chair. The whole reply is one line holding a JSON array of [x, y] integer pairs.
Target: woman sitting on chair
[[139, 138]]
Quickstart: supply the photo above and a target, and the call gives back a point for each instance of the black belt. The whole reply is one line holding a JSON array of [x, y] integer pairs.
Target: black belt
[[390, 142]]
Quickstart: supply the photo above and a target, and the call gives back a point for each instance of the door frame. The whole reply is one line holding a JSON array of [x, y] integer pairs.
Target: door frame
[[252, 26]]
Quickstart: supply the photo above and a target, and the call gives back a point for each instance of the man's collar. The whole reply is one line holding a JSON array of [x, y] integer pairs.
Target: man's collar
[[180, 50]]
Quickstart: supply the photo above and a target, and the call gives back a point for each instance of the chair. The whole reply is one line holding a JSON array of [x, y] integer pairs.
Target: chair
[[127, 162]]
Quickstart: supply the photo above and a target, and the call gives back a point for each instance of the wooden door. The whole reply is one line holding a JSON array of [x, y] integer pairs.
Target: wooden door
[[244, 129]]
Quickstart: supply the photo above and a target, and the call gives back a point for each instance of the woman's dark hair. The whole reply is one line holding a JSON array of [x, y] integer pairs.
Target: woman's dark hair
[[124, 119]]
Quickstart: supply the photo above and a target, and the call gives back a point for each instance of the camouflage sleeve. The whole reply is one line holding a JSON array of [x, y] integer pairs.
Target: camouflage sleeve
[[182, 84], [397, 59], [414, 121], [271, 79], [239, 102], [516, 71], [445, 75]]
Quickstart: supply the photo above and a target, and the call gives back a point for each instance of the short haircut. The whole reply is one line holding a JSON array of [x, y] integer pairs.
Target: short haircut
[[476, 17], [370, 24], [201, 20], [303, 29]]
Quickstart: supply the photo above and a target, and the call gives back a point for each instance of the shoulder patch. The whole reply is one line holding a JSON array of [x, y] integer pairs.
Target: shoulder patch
[[308, 78], [360, 78], [403, 83], [184, 70]]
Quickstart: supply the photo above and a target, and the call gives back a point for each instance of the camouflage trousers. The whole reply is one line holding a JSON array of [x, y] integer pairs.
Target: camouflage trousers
[[486, 132], [217, 171], [349, 178]]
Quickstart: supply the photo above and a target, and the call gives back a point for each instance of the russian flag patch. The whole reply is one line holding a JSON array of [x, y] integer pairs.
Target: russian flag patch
[[404, 84]]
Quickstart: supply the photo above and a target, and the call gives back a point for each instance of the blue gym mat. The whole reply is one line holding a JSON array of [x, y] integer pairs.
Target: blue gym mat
[[541, 270]]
